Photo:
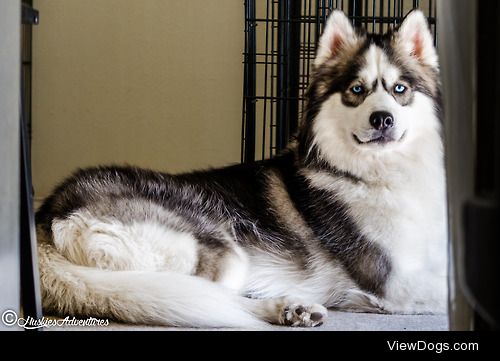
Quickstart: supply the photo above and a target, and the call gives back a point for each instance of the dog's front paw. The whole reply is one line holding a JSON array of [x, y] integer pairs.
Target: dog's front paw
[[300, 315]]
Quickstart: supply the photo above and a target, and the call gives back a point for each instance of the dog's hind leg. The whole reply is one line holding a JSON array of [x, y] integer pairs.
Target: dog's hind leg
[[89, 241], [161, 277]]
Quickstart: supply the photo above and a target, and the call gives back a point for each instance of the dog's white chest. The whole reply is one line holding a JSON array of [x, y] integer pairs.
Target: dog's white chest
[[409, 223]]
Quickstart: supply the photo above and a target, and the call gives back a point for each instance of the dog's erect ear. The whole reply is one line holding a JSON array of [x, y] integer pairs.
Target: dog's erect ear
[[414, 38], [338, 34]]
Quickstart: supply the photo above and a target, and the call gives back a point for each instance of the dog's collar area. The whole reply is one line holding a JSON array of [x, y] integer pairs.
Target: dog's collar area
[[322, 166]]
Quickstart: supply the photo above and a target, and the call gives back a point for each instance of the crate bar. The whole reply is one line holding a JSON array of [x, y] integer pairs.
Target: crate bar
[[294, 67], [394, 13], [365, 23], [250, 82], [355, 11], [318, 21], [266, 77], [374, 11], [380, 14], [272, 120], [303, 55], [288, 71], [281, 70]]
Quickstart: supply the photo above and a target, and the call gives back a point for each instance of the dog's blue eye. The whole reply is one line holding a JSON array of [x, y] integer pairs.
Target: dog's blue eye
[[358, 89], [399, 88]]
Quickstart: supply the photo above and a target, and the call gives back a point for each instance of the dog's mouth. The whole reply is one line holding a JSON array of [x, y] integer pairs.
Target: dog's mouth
[[381, 139]]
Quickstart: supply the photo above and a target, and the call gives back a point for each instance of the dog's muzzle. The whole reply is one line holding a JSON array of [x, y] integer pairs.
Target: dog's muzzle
[[383, 131]]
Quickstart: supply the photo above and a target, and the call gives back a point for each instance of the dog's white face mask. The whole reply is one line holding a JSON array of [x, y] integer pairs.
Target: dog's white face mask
[[380, 92]]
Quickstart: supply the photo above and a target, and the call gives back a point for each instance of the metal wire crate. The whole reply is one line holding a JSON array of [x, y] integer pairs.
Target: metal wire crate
[[280, 44]]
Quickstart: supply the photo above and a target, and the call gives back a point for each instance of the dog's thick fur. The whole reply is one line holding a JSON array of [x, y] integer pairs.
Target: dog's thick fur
[[349, 216]]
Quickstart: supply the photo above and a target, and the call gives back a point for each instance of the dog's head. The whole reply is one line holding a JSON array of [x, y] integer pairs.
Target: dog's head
[[371, 97]]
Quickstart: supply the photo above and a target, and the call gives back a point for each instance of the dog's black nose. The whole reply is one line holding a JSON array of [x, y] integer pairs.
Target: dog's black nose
[[381, 120]]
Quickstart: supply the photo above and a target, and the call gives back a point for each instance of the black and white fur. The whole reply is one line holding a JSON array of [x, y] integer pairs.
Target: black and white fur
[[349, 216]]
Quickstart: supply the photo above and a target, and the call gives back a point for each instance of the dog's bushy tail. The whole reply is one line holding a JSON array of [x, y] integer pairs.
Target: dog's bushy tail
[[155, 298]]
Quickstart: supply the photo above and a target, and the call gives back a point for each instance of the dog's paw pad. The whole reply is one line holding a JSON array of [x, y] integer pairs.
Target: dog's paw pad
[[299, 315], [316, 316]]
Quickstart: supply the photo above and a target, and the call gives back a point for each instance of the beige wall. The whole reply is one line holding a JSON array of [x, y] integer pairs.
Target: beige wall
[[154, 83]]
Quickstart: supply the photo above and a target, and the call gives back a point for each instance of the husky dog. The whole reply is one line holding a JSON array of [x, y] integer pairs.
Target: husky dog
[[351, 216]]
